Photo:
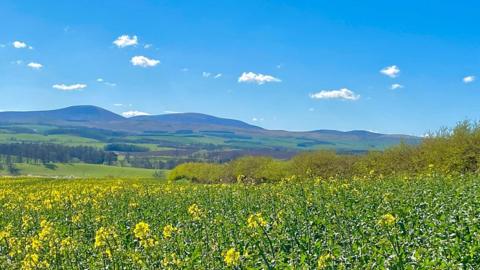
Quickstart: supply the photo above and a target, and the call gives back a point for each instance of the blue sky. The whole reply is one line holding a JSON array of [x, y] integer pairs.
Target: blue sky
[[295, 65]]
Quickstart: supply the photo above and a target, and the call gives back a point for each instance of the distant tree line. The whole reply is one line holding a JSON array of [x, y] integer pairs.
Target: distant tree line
[[123, 147], [152, 162], [47, 152], [448, 152]]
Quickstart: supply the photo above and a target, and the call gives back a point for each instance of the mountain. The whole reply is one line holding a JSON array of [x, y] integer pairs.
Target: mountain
[[187, 120], [70, 115]]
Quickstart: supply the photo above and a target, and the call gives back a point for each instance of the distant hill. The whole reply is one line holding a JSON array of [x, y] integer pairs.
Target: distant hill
[[193, 128], [67, 115], [195, 119]]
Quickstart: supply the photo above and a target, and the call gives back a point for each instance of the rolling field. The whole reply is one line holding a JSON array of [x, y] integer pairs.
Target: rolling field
[[79, 170], [422, 223]]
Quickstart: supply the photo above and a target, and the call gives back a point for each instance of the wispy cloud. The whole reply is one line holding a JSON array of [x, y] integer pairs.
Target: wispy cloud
[[171, 112], [134, 113], [396, 86], [102, 81], [126, 41], [343, 93], [391, 71], [469, 79], [211, 75], [118, 104], [34, 65], [250, 77], [143, 61], [70, 87]]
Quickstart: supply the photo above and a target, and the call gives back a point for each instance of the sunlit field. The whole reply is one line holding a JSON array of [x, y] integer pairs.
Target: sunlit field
[[428, 223]]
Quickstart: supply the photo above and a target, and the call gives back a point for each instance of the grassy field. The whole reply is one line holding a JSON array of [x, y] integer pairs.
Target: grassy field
[[81, 170], [425, 223]]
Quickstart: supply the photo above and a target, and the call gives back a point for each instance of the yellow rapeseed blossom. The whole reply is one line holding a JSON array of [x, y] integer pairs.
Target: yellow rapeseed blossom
[[323, 260], [142, 230], [169, 230], [232, 257], [76, 218], [387, 220], [256, 220], [46, 230], [195, 211]]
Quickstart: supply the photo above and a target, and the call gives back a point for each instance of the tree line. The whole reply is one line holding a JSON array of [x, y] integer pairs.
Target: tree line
[[47, 152], [449, 151]]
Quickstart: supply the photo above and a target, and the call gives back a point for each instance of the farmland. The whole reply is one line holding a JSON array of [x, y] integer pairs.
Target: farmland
[[360, 223]]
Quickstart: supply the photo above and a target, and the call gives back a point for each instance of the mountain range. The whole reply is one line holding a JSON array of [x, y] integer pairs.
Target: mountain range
[[92, 117]]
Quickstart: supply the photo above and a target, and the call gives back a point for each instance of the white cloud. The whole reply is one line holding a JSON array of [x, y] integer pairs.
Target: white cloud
[[469, 79], [391, 71], [211, 75], [34, 65], [143, 61], [184, 69], [343, 93], [71, 87], [250, 77], [255, 119], [118, 104], [396, 86], [171, 112], [125, 41], [19, 45], [147, 46], [110, 84], [134, 113], [101, 80]]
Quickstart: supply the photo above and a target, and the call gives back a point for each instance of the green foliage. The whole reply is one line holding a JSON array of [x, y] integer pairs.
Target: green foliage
[[123, 147], [450, 151]]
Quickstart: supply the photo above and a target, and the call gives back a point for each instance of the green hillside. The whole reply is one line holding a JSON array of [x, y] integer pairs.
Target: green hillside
[[78, 170]]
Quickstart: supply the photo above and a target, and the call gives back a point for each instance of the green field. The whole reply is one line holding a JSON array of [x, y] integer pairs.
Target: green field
[[81, 170], [395, 223]]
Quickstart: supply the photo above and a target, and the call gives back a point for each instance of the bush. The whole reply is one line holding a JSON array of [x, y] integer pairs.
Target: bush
[[449, 151]]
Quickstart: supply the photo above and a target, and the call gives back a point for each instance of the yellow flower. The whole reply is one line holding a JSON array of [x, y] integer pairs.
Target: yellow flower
[[323, 260], [66, 244], [195, 211], [142, 230], [30, 261], [5, 234], [104, 238], [169, 230], [232, 257], [256, 220], [47, 229], [387, 220], [76, 218], [36, 244]]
